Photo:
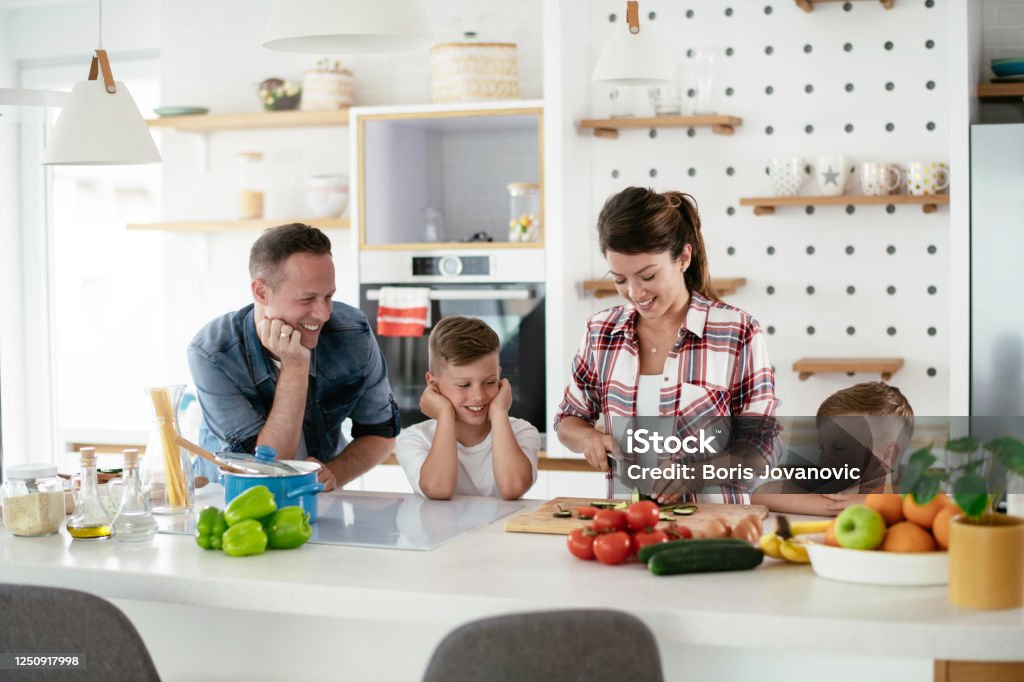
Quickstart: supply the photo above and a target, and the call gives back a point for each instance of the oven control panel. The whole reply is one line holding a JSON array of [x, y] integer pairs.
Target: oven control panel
[[451, 266]]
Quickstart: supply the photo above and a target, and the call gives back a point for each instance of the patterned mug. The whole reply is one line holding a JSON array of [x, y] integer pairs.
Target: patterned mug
[[879, 179], [926, 177], [833, 174], [788, 174]]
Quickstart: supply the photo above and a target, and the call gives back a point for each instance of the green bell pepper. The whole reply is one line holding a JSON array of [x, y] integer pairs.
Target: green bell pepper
[[287, 528], [217, 534], [254, 503], [210, 526], [245, 538]]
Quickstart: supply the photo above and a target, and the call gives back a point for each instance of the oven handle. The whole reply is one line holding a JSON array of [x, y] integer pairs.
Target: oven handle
[[468, 294]]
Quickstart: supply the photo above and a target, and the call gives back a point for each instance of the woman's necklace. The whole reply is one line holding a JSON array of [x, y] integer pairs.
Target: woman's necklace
[[654, 343]]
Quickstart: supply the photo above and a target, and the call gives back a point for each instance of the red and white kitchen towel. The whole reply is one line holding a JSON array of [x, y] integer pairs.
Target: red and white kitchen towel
[[403, 311]]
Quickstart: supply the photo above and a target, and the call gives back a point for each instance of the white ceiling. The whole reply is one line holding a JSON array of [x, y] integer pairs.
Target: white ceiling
[[22, 4]]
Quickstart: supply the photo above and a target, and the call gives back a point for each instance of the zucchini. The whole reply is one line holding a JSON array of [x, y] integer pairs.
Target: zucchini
[[648, 551], [696, 558]]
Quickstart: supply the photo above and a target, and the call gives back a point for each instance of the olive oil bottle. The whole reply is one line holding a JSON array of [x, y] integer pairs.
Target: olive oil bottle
[[91, 518]]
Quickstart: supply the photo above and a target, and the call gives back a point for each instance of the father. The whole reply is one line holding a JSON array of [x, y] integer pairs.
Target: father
[[288, 369]]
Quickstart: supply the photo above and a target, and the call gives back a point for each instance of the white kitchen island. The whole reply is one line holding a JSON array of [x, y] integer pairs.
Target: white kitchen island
[[331, 612]]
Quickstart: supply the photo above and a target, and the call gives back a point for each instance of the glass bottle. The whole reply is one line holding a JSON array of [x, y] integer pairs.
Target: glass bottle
[[91, 519], [166, 471], [523, 212], [134, 521], [250, 185]]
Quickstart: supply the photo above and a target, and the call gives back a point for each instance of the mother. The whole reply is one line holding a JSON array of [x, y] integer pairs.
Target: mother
[[674, 349]]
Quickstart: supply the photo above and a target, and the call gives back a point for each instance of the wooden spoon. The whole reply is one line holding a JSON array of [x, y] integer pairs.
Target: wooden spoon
[[207, 455]]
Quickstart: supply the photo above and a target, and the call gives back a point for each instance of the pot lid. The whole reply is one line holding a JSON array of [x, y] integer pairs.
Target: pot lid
[[263, 463]]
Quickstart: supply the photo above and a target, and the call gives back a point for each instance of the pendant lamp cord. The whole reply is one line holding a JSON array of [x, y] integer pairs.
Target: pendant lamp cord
[[99, 41]]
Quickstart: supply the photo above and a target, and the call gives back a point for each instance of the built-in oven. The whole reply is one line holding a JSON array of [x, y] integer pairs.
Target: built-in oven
[[504, 288]]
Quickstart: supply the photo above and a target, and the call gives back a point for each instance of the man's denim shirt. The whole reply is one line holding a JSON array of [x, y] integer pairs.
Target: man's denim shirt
[[236, 380]]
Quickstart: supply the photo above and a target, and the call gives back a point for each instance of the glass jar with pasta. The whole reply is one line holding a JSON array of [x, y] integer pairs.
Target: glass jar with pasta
[[251, 185], [166, 469]]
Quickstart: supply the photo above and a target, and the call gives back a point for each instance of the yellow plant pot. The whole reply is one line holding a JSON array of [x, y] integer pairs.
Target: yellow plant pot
[[986, 562]]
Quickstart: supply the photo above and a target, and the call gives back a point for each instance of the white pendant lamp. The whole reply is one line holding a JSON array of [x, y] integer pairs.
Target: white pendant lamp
[[629, 58], [100, 124], [348, 26]]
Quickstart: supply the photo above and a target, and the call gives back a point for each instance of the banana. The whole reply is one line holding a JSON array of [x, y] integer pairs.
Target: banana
[[805, 527], [794, 551], [769, 544]]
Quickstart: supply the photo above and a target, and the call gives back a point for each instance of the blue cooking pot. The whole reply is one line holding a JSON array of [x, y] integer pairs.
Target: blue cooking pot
[[289, 489]]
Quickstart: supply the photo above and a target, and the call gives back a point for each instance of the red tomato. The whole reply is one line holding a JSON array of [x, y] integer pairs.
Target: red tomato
[[613, 548], [676, 532], [643, 514], [609, 519], [585, 512], [644, 538], [581, 542]]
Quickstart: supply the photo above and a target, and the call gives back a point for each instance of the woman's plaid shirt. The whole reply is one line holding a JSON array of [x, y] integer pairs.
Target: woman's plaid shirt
[[718, 367]]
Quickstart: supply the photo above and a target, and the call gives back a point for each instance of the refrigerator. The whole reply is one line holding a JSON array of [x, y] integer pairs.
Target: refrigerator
[[997, 284]]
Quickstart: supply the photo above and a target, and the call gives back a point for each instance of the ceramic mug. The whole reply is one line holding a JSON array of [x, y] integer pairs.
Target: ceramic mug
[[788, 174], [879, 179], [833, 174], [926, 177]]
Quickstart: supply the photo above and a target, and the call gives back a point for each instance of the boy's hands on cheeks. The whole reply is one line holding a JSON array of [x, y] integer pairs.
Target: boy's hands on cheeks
[[283, 341], [433, 404], [502, 402]]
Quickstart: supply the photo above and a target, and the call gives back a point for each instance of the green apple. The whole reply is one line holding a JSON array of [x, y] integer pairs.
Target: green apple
[[860, 527]]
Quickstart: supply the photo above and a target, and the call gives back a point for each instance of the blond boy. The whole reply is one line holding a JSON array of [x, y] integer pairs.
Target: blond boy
[[470, 445], [867, 425]]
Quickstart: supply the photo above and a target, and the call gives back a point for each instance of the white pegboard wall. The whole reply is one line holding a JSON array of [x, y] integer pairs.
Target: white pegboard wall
[[851, 79]]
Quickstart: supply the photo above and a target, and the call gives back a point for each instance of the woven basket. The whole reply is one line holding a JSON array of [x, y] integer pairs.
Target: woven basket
[[468, 72]]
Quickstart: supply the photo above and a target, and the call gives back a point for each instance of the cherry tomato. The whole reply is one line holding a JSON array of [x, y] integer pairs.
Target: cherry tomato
[[581, 542], [586, 512], [644, 538], [677, 532], [610, 519], [643, 514], [613, 548]]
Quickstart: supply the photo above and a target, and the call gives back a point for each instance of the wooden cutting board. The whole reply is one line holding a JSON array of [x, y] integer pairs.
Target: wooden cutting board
[[542, 520]]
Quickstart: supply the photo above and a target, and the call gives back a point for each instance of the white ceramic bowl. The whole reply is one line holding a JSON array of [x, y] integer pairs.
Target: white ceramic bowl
[[879, 568]]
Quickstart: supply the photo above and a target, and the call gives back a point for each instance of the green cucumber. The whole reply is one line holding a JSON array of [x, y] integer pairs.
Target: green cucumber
[[648, 551], [698, 558]]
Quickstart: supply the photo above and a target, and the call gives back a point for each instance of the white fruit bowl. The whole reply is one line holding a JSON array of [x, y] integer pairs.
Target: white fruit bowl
[[879, 568]]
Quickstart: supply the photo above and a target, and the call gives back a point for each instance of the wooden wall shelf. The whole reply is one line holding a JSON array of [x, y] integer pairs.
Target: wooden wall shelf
[[1000, 91], [766, 205], [809, 366], [808, 5], [236, 225], [205, 123], [603, 288], [610, 127]]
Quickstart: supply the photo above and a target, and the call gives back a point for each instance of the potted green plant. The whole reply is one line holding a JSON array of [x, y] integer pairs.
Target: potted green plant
[[986, 549]]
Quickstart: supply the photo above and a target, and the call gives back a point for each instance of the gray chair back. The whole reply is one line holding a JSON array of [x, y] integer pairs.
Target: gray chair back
[[51, 620], [593, 645]]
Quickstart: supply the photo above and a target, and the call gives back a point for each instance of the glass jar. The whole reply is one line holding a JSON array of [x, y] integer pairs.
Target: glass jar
[[523, 212], [166, 469], [33, 499], [251, 184]]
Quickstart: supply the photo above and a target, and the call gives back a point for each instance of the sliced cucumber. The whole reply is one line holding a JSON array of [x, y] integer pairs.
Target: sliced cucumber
[[685, 510], [562, 514]]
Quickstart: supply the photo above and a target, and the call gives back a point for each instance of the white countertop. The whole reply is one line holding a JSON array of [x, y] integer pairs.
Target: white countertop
[[489, 571]]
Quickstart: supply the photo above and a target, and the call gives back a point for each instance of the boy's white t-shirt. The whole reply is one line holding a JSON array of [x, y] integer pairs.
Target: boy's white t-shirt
[[476, 468]]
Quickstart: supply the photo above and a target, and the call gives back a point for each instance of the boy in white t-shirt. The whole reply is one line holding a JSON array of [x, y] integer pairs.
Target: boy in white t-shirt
[[469, 446]]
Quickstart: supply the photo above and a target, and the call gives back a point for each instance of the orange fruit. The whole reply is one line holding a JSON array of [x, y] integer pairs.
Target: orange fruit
[[906, 536], [830, 535], [923, 514], [940, 526], [890, 506]]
